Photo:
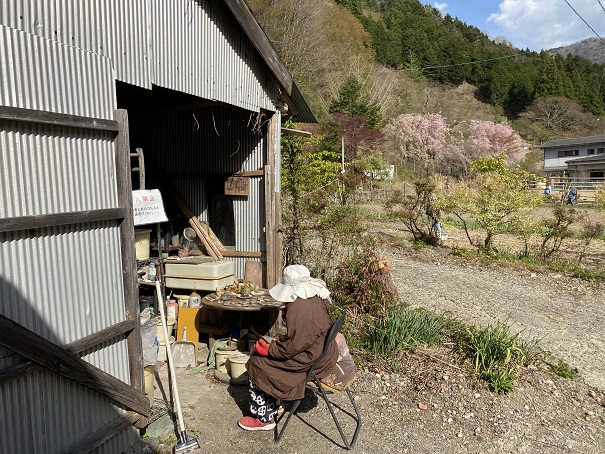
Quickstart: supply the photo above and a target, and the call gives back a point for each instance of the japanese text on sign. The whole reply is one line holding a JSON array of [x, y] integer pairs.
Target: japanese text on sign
[[148, 207]]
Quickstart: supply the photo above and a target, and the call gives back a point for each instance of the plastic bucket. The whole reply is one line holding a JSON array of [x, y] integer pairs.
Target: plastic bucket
[[220, 358], [162, 354], [142, 241], [237, 367], [170, 322]]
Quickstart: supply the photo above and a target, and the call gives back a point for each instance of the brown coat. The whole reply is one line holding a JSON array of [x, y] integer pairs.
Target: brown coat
[[282, 374]]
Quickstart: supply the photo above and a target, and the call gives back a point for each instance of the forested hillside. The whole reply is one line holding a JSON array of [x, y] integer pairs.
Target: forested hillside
[[407, 34], [404, 67]]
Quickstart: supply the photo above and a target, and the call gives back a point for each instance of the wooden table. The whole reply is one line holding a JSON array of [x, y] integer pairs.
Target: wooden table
[[256, 303]]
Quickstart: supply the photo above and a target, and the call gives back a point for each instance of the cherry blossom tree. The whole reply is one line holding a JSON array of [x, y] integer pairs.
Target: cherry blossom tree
[[419, 138], [494, 139]]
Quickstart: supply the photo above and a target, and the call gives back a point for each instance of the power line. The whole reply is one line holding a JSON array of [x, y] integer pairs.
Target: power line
[[602, 7], [587, 24], [466, 63]]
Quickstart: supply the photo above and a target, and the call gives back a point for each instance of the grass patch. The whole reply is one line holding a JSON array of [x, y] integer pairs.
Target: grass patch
[[403, 329], [498, 354], [578, 271], [564, 370]]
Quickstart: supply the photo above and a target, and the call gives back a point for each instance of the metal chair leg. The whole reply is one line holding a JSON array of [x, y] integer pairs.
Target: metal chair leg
[[290, 413]]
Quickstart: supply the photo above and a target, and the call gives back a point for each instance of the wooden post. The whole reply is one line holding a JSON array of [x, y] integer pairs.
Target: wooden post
[[131, 303], [272, 207]]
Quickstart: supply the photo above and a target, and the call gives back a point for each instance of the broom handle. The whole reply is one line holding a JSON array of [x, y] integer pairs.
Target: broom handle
[[175, 390]]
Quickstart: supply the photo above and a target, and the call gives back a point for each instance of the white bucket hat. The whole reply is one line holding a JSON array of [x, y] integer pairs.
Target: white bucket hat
[[297, 283]]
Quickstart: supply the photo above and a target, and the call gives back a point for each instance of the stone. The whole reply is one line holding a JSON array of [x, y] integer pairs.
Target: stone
[[160, 428]]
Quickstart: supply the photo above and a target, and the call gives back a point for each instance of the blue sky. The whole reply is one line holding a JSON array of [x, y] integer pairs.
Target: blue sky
[[533, 24]]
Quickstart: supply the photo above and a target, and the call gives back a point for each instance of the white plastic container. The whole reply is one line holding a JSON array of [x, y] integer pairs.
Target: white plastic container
[[142, 239], [200, 268], [208, 285]]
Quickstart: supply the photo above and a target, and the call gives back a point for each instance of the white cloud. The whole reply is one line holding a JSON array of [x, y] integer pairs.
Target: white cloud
[[543, 24], [441, 7]]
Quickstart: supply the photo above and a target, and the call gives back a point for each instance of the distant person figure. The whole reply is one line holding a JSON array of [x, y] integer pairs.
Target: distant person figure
[[572, 195], [547, 190], [434, 215]]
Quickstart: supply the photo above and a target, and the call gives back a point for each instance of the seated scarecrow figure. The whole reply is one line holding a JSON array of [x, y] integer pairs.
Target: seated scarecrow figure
[[278, 369]]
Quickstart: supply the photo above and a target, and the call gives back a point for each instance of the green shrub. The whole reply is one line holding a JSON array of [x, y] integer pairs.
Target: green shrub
[[360, 287]]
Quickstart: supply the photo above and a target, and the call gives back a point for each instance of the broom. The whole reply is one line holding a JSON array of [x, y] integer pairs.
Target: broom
[[185, 443]]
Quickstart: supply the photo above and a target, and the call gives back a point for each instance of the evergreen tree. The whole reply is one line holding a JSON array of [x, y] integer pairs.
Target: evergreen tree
[[353, 102]]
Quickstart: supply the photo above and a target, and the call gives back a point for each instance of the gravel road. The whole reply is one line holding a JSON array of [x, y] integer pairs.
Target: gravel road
[[566, 314]]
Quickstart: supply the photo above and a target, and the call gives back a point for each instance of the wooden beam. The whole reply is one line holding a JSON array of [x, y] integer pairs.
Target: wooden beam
[[196, 226], [243, 254], [255, 33], [296, 132], [48, 220], [56, 119], [272, 206], [100, 436], [270, 226], [250, 173], [129, 275], [52, 357], [100, 337], [13, 372], [76, 347]]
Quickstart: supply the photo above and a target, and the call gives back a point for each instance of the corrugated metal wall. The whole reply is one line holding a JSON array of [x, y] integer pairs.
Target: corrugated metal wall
[[231, 73], [65, 282], [115, 29], [156, 42], [64, 56]]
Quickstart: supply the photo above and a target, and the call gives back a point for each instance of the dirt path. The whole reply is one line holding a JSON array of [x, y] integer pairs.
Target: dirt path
[[566, 314], [432, 404]]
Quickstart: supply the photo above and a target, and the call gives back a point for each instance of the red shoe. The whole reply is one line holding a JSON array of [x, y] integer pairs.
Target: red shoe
[[250, 423]]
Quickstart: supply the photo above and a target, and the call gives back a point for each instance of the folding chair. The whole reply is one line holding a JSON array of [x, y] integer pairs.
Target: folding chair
[[314, 384]]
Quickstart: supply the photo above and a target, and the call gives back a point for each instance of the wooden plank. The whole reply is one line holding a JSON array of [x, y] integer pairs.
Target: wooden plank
[[76, 347], [100, 436], [253, 272], [49, 220], [296, 132], [13, 372], [129, 275], [100, 337], [250, 173], [244, 254], [195, 225], [272, 206], [56, 119], [270, 227], [52, 357], [206, 227]]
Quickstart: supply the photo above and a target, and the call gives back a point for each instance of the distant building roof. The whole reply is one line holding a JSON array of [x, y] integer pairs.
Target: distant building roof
[[587, 159], [575, 141]]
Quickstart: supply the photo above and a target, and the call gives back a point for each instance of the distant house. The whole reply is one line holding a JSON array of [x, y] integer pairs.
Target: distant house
[[580, 157]]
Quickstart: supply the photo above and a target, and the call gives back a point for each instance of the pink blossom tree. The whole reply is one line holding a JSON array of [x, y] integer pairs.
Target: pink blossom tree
[[494, 139], [419, 138]]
